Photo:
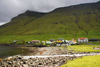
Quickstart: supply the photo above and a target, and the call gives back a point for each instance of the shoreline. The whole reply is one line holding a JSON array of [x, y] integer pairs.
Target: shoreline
[[18, 45], [45, 57], [7, 51]]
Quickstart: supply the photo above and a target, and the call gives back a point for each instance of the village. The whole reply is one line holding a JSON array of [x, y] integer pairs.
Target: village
[[59, 42], [52, 56]]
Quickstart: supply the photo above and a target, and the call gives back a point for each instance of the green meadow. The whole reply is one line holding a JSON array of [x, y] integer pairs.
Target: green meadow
[[84, 48], [87, 61], [43, 37]]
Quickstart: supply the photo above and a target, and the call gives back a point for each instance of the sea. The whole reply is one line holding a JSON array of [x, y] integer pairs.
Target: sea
[[11, 51]]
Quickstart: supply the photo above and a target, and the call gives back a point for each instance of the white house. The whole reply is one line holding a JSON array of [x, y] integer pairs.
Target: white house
[[74, 41], [82, 40]]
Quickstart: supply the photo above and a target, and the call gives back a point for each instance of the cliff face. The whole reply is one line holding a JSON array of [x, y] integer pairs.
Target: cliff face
[[77, 19]]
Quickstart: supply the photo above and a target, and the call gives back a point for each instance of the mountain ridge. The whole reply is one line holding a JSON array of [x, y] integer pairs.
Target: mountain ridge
[[78, 19]]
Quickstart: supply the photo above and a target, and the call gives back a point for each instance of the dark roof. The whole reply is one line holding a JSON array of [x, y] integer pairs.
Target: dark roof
[[60, 38], [36, 41], [81, 38], [52, 39], [93, 39]]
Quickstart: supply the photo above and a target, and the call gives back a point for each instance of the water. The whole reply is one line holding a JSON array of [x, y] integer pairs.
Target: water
[[11, 51]]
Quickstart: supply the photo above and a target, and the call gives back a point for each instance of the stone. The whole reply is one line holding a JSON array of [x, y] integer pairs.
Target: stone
[[3, 66], [21, 62], [40, 64], [19, 58], [25, 62], [9, 66], [25, 65], [56, 65]]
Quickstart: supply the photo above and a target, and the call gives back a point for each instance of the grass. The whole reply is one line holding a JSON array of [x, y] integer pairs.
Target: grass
[[83, 48], [7, 38], [41, 37], [95, 43], [87, 61]]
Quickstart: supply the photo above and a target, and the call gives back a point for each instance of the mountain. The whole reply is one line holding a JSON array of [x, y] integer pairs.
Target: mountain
[[75, 19]]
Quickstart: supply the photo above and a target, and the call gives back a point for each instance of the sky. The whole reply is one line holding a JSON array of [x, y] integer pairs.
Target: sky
[[12, 8]]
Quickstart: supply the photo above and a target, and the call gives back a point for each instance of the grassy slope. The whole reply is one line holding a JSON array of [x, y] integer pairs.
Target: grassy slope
[[92, 61], [84, 48], [68, 22]]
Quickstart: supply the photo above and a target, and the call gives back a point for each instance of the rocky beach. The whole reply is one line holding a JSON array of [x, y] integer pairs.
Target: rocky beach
[[45, 57]]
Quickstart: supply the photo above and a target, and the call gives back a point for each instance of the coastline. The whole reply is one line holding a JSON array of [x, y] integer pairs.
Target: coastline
[[45, 57], [7, 51]]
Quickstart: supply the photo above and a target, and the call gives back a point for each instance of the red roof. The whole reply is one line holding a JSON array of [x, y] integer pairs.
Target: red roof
[[81, 38]]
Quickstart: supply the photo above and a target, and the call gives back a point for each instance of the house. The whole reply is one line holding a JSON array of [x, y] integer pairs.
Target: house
[[15, 41], [58, 42], [82, 40], [52, 40], [35, 41], [74, 41], [61, 39], [49, 42], [93, 40], [62, 43], [65, 43]]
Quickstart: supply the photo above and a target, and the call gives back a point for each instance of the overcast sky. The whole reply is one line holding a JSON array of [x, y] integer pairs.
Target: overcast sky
[[11, 8]]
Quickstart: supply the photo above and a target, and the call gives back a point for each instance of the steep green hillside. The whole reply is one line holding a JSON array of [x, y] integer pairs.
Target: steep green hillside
[[83, 19], [19, 22]]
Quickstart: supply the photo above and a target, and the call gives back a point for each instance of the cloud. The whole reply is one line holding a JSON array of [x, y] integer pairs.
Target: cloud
[[11, 8], [2, 23]]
